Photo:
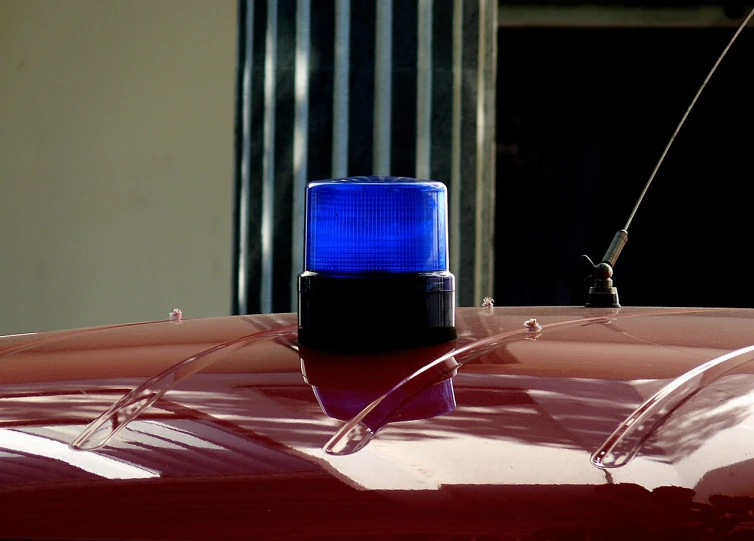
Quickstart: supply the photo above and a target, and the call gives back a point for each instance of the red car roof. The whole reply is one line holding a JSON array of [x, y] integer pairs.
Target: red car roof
[[224, 428]]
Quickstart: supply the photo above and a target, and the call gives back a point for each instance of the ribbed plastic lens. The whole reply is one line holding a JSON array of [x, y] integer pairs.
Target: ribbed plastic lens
[[376, 224]]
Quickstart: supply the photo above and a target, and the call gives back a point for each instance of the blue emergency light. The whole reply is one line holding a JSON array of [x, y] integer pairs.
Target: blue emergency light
[[376, 264]]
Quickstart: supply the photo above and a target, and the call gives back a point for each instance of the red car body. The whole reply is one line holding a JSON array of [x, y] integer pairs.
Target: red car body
[[631, 423]]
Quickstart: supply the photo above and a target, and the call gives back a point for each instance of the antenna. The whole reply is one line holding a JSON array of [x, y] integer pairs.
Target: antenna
[[602, 293]]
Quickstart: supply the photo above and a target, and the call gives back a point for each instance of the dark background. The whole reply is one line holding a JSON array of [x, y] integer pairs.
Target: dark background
[[583, 116]]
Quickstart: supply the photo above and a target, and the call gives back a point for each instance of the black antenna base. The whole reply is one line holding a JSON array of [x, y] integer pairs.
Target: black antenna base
[[602, 293]]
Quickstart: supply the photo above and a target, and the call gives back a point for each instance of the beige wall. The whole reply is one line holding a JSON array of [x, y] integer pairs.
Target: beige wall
[[116, 156]]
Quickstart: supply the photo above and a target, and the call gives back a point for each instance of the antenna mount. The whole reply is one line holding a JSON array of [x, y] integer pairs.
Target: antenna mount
[[602, 293]]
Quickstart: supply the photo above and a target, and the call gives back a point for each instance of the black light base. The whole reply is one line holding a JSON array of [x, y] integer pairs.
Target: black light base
[[375, 312]]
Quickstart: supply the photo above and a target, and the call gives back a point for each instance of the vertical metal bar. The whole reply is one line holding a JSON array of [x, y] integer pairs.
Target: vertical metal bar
[[424, 89], [300, 141], [341, 78], [480, 171], [240, 304], [383, 60], [491, 91], [485, 151], [268, 161], [455, 166]]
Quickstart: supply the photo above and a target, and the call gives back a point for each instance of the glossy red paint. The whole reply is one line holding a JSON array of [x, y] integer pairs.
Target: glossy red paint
[[211, 429]]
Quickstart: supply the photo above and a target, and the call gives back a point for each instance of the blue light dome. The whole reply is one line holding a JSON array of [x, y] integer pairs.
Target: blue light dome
[[376, 224], [380, 242]]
